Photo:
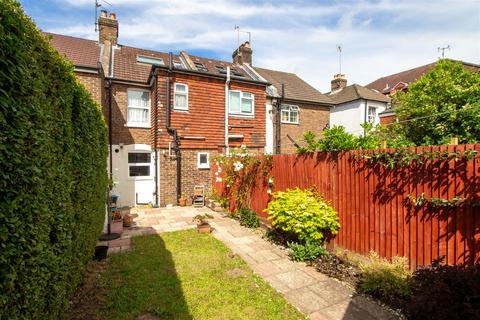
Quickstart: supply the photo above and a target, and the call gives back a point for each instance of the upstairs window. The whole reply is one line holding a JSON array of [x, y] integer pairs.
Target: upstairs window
[[241, 103], [290, 114], [372, 114], [180, 96], [200, 66], [138, 108]]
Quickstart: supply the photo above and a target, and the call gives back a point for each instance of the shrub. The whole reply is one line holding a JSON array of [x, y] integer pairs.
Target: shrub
[[304, 213], [384, 280], [309, 251], [248, 218], [53, 151], [445, 292]]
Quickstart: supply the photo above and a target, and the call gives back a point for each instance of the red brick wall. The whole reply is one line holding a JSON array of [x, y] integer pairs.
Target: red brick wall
[[205, 115], [93, 83], [388, 119], [312, 117]]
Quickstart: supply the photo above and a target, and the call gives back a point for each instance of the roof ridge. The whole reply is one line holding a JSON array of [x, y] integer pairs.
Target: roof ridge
[[68, 36]]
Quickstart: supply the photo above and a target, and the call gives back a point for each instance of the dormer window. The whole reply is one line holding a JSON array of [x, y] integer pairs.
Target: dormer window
[[235, 72], [150, 60], [178, 64], [200, 66]]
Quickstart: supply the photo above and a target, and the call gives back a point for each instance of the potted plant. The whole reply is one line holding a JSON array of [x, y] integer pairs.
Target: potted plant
[[116, 225], [182, 201], [127, 219], [203, 226]]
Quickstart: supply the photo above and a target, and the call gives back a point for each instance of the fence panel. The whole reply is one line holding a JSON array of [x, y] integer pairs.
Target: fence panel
[[375, 206]]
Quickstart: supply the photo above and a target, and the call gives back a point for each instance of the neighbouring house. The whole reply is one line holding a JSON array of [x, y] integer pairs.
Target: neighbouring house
[[389, 85], [293, 108], [355, 105]]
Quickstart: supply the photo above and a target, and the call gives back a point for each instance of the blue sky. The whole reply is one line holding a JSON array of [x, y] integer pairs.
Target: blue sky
[[378, 37]]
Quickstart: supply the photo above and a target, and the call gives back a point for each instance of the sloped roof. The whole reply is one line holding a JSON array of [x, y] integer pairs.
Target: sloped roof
[[355, 92], [385, 84], [81, 52], [295, 87]]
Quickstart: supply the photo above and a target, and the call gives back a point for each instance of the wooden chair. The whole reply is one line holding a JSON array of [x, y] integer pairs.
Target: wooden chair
[[198, 196]]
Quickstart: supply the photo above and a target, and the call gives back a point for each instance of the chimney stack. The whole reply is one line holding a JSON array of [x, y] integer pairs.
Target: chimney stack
[[108, 28], [339, 82], [243, 54]]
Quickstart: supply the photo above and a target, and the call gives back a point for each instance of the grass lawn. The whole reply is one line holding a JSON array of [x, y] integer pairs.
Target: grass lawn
[[186, 275]]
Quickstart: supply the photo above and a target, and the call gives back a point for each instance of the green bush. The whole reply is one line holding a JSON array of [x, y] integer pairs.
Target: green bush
[[248, 218], [53, 151], [309, 251], [303, 213], [385, 280]]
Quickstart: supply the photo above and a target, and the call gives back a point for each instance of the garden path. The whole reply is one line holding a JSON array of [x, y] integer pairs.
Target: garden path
[[312, 292]]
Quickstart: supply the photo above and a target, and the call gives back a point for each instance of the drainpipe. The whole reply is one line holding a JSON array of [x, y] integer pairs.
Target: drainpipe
[[365, 116], [278, 122], [227, 102], [172, 131], [155, 136]]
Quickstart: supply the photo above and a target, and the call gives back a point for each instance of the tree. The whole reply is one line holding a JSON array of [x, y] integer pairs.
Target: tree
[[447, 101]]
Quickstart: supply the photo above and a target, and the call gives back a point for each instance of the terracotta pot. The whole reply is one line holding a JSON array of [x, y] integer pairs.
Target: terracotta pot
[[204, 228], [127, 220], [116, 226], [182, 202]]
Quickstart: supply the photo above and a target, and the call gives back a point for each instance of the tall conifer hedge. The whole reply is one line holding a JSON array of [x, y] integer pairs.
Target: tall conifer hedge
[[53, 179]]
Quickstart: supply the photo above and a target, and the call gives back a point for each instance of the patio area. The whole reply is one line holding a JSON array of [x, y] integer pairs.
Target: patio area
[[311, 292]]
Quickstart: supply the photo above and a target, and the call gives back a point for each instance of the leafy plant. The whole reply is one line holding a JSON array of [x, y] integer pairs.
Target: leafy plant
[[248, 218], [309, 251], [385, 280], [452, 94], [445, 292], [202, 218], [304, 213]]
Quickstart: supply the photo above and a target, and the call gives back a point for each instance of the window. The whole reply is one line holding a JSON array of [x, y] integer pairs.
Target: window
[[202, 160], [235, 72], [372, 114], [150, 60], [138, 108], [178, 64], [221, 69], [200, 66], [241, 103], [289, 113], [139, 164], [180, 96]]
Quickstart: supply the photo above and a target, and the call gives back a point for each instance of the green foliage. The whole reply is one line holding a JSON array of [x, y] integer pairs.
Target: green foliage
[[337, 139], [303, 213], [248, 218], [385, 280], [309, 251], [449, 89], [53, 151]]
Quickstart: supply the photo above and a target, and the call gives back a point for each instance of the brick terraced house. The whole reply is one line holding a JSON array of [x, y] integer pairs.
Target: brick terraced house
[[169, 114]]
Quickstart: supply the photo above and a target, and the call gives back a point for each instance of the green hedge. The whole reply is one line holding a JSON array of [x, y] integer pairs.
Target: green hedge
[[53, 179]]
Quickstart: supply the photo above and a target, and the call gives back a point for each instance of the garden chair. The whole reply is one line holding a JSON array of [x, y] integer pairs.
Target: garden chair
[[198, 196]]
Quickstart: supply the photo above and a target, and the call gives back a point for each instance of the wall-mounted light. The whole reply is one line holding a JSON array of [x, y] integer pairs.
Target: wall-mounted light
[[121, 145]]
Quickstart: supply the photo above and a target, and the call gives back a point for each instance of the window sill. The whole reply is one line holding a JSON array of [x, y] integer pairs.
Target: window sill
[[137, 125], [141, 178], [204, 168], [180, 110], [244, 116], [294, 123]]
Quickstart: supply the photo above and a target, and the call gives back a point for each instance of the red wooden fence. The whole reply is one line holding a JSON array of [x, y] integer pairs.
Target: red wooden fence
[[373, 206]]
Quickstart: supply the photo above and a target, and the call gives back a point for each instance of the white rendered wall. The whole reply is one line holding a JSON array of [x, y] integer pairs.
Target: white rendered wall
[[269, 127], [351, 115]]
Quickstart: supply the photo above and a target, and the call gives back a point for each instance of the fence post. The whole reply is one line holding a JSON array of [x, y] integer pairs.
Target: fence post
[[383, 144], [454, 141]]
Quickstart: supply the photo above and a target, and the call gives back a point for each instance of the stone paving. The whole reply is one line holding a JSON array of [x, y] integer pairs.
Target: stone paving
[[313, 293]]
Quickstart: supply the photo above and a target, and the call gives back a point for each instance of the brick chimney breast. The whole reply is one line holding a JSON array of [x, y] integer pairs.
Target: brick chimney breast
[[243, 54], [339, 82], [108, 28]]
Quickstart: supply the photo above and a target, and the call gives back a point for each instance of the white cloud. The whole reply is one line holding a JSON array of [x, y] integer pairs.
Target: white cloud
[[378, 38]]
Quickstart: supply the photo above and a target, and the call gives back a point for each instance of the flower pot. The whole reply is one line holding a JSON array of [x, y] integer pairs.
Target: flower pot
[[182, 202], [116, 226], [127, 220], [100, 253], [204, 228]]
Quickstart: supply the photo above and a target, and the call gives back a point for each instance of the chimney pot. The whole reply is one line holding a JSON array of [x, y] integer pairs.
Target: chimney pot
[[113, 16], [243, 54], [339, 82], [104, 13]]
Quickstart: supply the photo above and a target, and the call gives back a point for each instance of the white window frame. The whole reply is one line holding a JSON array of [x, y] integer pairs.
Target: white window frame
[[241, 113], [372, 121], [139, 124], [203, 165], [180, 93], [290, 111], [140, 164]]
